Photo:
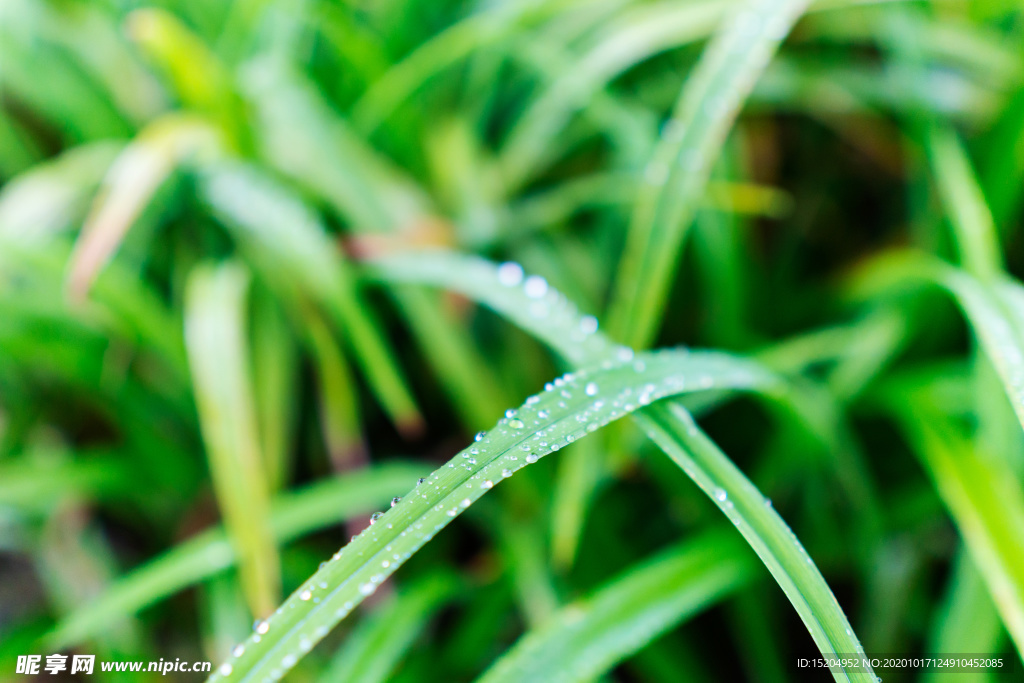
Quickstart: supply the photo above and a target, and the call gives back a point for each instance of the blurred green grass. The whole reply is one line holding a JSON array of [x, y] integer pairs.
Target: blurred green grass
[[216, 221]]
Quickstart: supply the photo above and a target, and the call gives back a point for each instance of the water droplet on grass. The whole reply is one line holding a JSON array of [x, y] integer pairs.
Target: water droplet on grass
[[590, 389], [535, 286], [510, 274]]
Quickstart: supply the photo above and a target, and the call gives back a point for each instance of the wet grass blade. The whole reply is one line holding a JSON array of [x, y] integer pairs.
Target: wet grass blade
[[292, 516], [587, 638], [217, 340], [570, 408], [529, 303], [679, 170]]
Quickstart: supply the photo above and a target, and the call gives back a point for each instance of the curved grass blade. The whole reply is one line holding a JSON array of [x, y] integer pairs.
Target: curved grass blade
[[292, 516], [135, 176], [530, 304], [681, 164], [995, 311], [50, 197], [216, 337], [632, 38], [586, 639], [570, 408]]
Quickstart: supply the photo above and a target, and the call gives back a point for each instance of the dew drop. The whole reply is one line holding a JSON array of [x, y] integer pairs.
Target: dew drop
[[590, 389], [395, 501], [421, 480], [479, 436], [588, 324], [516, 424], [225, 670], [305, 595], [720, 495], [506, 473], [375, 516], [510, 274], [535, 286], [532, 458], [238, 651], [487, 484], [261, 627]]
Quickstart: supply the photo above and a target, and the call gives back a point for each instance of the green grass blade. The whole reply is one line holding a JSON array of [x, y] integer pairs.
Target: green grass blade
[[217, 340], [530, 304], [570, 408], [631, 38], [587, 638], [292, 516], [995, 312], [681, 165], [974, 230], [673, 429]]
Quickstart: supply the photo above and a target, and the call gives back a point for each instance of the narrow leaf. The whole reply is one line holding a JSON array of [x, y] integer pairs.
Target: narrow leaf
[[681, 165], [217, 343]]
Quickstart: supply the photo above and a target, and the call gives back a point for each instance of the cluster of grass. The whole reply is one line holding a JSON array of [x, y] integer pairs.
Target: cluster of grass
[[266, 266]]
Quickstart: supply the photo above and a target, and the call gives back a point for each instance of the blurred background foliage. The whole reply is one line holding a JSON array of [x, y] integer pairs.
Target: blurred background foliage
[[203, 393]]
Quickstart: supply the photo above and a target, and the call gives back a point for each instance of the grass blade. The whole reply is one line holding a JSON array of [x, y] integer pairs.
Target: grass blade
[[217, 343], [570, 408], [681, 165], [547, 315], [974, 230], [995, 311], [139, 171], [586, 639]]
